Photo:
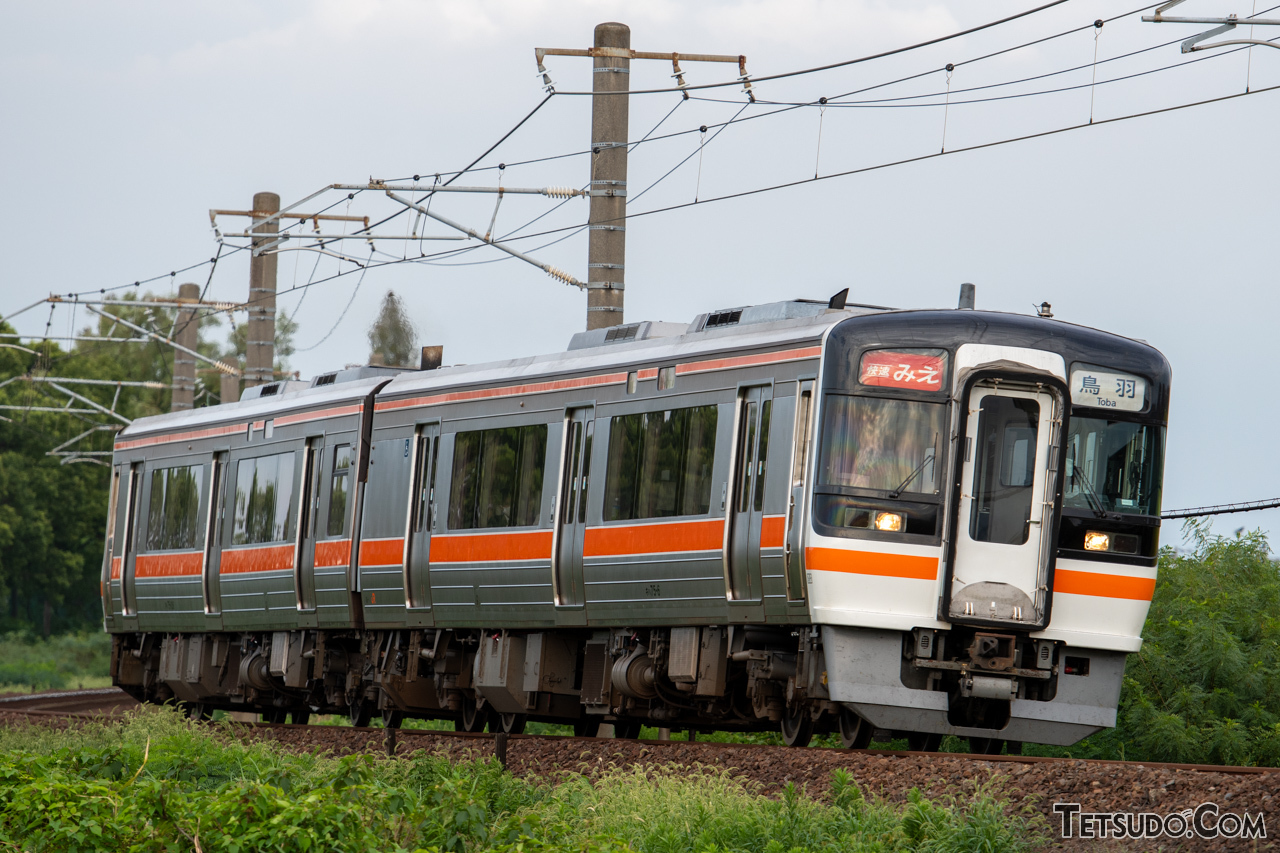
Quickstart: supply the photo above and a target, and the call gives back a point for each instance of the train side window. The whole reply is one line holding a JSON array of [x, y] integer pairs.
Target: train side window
[[660, 463], [497, 477], [339, 486], [762, 454], [264, 499], [804, 405], [172, 522]]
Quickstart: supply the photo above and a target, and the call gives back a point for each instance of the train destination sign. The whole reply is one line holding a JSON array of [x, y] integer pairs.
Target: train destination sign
[[921, 370], [1105, 389]]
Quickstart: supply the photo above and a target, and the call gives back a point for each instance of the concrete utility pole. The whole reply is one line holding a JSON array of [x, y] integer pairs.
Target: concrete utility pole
[[607, 244], [607, 240], [187, 335], [260, 351]]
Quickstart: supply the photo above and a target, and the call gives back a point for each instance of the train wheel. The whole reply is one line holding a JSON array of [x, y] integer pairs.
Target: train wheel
[[985, 745], [797, 727], [923, 742], [512, 724], [1013, 747], [392, 718], [360, 713], [300, 718], [198, 711], [628, 729], [855, 732], [470, 719], [275, 715], [587, 727]]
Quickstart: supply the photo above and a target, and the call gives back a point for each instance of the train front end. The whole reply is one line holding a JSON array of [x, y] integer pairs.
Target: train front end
[[984, 518]]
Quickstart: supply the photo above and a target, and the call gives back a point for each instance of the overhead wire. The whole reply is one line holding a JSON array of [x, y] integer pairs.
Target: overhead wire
[[429, 259], [842, 64], [472, 166]]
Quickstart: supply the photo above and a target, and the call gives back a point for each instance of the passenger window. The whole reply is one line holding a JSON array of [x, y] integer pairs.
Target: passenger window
[[497, 477], [339, 487], [660, 464], [762, 455], [586, 472], [264, 500], [801, 461], [175, 503]]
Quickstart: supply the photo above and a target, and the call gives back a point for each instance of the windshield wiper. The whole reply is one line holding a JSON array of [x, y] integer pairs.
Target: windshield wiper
[[1095, 503], [916, 473]]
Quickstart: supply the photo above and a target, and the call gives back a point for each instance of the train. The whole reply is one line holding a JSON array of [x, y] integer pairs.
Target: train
[[802, 517]]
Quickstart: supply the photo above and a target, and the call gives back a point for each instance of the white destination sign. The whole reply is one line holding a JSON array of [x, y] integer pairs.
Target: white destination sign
[[1122, 392]]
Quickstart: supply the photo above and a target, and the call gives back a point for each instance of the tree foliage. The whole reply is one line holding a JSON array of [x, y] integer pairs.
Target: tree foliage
[[393, 339], [1205, 689], [53, 515]]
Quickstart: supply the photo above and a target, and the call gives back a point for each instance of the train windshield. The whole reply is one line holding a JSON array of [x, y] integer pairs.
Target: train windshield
[[886, 445], [1113, 466]]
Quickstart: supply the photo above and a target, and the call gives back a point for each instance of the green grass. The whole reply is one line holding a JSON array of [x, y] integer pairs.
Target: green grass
[[157, 782], [66, 661]]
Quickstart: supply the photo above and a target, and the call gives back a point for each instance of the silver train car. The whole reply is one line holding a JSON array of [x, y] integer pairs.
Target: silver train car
[[792, 516]]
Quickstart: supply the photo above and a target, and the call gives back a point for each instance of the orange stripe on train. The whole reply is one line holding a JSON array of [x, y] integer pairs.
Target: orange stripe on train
[[382, 552], [660, 538], [773, 531], [271, 558], [871, 563], [1103, 585], [490, 547], [748, 360], [168, 565], [335, 552]]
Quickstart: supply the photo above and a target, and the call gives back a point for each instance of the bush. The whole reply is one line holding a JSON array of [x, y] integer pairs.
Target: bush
[[1205, 689], [158, 782], [69, 660]]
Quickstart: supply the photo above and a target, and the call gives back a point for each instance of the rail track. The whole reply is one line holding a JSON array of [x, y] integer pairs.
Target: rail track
[[72, 704], [110, 701]]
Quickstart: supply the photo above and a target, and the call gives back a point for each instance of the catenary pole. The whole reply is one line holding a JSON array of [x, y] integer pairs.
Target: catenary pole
[[260, 344], [607, 240], [187, 335]]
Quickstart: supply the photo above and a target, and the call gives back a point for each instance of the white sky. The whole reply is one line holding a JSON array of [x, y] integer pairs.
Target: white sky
[[124, 123]]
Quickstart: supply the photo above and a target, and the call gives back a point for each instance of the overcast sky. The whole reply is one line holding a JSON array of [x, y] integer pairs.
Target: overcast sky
[[125, 122]]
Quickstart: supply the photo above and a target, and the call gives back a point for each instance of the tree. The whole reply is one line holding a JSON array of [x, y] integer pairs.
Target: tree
[[393, 339]]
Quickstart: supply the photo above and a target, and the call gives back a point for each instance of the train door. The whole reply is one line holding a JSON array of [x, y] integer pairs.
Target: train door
[[1003, 533], [128, 594], [422, 511], [745, 508], [110, 595], [571, 515], [793, 550], [304, 574], [213, 535]]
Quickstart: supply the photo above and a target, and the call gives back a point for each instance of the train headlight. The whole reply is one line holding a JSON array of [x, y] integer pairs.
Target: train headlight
[[1095, 541], [890, 521]]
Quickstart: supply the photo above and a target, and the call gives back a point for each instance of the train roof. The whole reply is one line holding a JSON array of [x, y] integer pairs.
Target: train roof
[[643, 343]]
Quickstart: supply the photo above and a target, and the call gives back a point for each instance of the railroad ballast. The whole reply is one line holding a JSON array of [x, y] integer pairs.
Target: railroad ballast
[[804, 516]]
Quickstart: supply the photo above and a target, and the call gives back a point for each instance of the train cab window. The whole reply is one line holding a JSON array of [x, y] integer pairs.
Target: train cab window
[[264, 499], [660, 464], [339, 486], [172, 522], [497, 477], [880, 468], [1113, 466]]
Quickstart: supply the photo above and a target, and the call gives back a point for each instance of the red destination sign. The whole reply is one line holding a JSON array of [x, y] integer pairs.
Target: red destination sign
[[889, 369]]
